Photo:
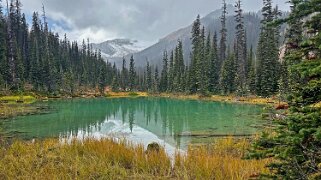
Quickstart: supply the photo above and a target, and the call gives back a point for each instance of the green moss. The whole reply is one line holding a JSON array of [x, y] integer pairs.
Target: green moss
[[15, 99], [133, 94]]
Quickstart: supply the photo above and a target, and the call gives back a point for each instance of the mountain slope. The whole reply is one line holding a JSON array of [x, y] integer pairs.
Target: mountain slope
[[117, 48], [212, 24]]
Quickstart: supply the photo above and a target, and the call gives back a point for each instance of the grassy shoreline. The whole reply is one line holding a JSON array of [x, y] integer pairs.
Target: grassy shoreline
[[216, 98], [11, 106], [107, 159], [28, 99], [227, 98]]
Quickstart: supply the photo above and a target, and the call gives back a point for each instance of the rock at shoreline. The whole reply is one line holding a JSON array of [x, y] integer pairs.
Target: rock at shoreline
[[153, 147]]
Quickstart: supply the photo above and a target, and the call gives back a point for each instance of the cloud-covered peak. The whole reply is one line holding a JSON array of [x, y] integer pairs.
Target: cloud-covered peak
[[145, 20]]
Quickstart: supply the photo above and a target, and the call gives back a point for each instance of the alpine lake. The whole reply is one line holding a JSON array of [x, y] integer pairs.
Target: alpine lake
[[170, 122]]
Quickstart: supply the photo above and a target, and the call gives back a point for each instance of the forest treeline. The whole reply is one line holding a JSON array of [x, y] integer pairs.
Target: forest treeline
[[40, 60], [217, 68], [37, 59]]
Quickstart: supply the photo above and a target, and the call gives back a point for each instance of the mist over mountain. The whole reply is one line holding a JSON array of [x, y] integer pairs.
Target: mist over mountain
[[211, 22], [117, 48]]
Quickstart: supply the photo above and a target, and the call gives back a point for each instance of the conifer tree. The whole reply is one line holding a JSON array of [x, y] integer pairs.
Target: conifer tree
[[156, 81], [149, 80], [132, 74], [228, 75], [179, 68], [4, 66], [164, 75], [171, 72], [214, 67], [208, 56], [124, 75], [295, 144], [196, 55], [268, 64], [102, 74], [240, 49], [201, 74], [252, 71], [223, 46], [11, 48]]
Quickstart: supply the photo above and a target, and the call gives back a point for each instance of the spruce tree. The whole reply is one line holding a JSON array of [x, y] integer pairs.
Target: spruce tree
[[164, 75], [4, 65], [214, 69], [252, 71], [228, 74], [124, 75], [240, 49], [11, 47], [156, 81], [171, 72], [223, 46], [202, 78], [295, 144], [179, 68], [132, 74], [268, 53], [194, 71], [149, 80], [208, 57]]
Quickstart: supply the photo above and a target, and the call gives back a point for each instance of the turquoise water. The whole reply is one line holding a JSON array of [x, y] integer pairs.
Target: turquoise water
[[139, 119]]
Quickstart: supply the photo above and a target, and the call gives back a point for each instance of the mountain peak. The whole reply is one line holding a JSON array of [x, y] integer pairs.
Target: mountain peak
[[218, 13], [116, 48]]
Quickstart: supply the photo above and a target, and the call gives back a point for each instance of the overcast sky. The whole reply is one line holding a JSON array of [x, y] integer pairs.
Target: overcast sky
[[142, 20]]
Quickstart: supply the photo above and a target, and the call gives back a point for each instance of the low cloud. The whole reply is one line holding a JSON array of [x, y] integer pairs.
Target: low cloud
[[144, 20]]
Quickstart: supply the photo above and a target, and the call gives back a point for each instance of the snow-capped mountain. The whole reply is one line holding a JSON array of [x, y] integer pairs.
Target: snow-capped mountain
[[117, 48]]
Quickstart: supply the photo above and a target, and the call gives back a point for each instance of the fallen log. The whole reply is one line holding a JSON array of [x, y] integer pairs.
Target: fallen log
[[212, 135]]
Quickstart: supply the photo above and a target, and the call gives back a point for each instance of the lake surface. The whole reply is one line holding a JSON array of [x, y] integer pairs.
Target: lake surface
[[142, 120]]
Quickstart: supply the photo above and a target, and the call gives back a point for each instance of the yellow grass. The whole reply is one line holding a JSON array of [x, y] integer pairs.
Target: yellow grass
[[229, 98], [223, 160], [12, 110], [14, 99], [317, 105], [106, 159], [126, 94]]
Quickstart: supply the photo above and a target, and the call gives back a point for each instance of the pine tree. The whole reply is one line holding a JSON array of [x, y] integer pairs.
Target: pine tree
[[228, 75], [240, 49], [156, 81], [196, 55], [268, 64], [12, 55], [4, 65], [164, 75], [124, 75], [201, 74], [34, 52], [25, 47], [214, 69], [102, 74], [132, 74], [208, 57], [295, 144], [252, 71], [223, 46], [178, 67], [171, 72], [149, 79]]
